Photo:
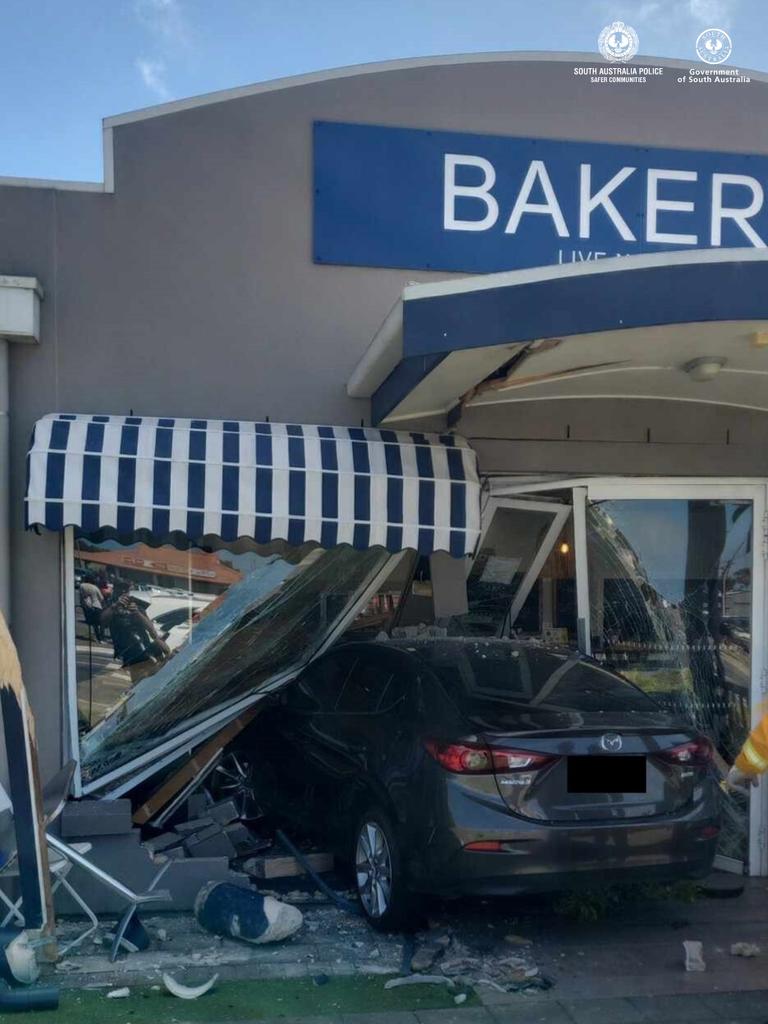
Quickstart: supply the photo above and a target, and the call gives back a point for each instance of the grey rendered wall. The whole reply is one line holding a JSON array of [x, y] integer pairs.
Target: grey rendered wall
[[27, 247], [191, 291]]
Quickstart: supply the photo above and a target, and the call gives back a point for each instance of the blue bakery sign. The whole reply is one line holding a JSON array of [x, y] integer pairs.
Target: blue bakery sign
[[400, 197]]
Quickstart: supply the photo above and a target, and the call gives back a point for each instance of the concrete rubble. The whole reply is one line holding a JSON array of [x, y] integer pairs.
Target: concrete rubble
[[440, 956], [204, 828], [330, 942], [216, 832]]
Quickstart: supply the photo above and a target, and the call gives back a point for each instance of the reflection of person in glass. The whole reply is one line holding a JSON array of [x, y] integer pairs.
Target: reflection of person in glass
[[137, 643], [92, 603]]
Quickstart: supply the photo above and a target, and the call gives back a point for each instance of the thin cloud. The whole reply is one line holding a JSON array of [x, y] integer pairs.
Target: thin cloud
[[646, 11], [152, 74], [668, 18], [165, 20], [712, 13]]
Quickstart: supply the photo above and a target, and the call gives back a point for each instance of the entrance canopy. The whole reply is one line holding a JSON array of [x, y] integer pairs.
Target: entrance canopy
[[662, 325], [167, 479]]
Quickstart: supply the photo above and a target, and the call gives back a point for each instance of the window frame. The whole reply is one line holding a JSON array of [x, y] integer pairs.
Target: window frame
[[560, 514]]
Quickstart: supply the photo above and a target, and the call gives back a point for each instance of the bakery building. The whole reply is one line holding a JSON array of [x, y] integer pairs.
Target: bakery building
[[468, 344]]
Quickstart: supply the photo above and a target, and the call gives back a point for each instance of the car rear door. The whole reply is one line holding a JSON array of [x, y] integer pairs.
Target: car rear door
[[358, 720], [305, 742]]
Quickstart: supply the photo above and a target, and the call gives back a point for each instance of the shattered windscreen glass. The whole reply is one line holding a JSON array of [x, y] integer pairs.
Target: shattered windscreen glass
[[166, 637]]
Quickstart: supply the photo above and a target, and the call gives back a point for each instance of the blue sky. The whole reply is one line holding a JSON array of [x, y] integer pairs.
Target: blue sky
[[68, 64]]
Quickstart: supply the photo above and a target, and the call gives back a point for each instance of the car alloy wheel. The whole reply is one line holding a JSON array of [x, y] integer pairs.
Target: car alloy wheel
[[373, 868], [232, 779]]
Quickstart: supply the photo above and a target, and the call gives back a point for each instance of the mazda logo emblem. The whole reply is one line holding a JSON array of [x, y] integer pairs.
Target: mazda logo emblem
[[611, 743]]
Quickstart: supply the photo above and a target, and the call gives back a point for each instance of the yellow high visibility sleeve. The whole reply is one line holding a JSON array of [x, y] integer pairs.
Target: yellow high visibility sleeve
[[753, 758]]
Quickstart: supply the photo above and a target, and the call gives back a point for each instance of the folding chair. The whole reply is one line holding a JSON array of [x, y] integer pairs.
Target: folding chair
[[54, 799], [65, 855]]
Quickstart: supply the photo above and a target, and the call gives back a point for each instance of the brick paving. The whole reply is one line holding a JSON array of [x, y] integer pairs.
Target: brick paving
[[717, 1008]]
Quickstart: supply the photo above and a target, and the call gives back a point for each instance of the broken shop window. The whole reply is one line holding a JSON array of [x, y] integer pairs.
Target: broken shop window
[[166, 637], [523, 579], [384, 609]]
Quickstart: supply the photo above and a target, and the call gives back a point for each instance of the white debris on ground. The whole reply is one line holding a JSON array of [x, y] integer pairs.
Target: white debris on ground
[[418, 979], [461, 950], [747, 949], [694, 956], [330, 942], [188, 991]]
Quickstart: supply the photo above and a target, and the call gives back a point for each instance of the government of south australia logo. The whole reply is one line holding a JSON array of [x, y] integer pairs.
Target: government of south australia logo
[[618, 41], [714, 45]]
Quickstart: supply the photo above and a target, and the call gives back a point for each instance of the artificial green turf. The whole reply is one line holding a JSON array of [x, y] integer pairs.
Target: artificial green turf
[[247, 1000]]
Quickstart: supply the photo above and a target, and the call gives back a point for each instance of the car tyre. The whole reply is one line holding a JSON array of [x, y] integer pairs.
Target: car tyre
[[380, 877]]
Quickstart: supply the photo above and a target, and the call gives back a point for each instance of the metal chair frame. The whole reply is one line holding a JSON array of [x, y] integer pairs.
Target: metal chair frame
[[67, 855]]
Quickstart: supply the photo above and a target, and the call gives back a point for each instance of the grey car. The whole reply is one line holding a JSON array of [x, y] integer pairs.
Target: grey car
[[489, 767]]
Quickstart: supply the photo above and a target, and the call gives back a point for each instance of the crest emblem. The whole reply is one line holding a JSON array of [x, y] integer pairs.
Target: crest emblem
[[618, 42], [714, 45], [611, 743]]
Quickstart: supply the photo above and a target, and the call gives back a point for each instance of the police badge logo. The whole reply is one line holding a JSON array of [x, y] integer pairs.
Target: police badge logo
[[714, 45], [618, 42]]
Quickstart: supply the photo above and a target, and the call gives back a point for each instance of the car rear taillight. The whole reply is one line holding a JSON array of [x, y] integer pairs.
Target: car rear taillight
[[461, 757], [519, 760], [477, 759], [696, 752]]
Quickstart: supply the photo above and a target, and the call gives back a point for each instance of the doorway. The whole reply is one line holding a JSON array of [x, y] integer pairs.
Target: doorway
[[664, 582]]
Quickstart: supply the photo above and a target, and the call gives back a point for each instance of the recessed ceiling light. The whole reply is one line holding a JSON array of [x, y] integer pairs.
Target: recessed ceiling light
[[704, 368]]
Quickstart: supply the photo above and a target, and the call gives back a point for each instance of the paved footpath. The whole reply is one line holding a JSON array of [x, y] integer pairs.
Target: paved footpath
[[716, 1008]]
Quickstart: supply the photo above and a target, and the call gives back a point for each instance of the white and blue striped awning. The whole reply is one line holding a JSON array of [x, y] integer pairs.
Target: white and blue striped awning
[[266, 481]]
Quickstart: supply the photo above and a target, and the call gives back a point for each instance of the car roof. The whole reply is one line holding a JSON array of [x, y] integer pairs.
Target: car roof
[[420, 647]]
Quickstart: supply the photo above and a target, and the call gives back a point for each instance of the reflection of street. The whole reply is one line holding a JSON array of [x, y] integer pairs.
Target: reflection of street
[[737, 667], [101, 681]]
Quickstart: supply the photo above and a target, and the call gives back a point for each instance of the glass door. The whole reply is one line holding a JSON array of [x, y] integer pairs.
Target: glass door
[[675, 597], [670, 590]]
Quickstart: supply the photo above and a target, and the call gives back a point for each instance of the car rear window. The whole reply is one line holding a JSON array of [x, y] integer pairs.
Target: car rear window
[[364, 689], [488, 669]]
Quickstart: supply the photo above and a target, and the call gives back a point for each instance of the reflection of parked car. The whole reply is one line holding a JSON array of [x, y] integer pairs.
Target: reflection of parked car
[[483, 767], [157, 603], [174, 613], [175, 626]]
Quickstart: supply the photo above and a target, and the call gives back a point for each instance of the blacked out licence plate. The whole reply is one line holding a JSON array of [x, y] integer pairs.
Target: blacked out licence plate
[[607, 773]]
